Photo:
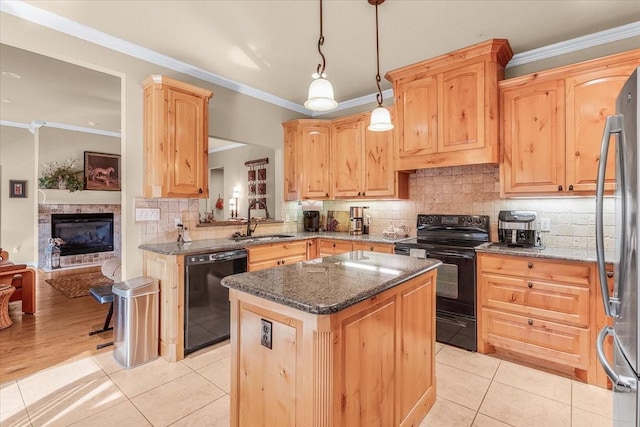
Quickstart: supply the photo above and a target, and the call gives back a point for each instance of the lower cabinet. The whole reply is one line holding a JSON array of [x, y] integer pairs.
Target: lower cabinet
[[328, 247], [540, 308], [276, 254], [385, 248]]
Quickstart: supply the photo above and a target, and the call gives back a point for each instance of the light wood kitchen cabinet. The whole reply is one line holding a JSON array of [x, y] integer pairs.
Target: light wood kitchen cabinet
[[552, 124], [176, 123], [291, 153], [328, 247], [362, 161], [315, 161], [447, 107], [275, 254], [539, 308], [312, 249], [387, 248]]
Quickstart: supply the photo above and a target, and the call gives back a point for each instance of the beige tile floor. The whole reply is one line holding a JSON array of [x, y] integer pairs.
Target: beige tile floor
[[472, 390]]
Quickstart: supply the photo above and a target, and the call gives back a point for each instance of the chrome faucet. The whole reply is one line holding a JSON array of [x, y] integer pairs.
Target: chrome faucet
[[251, 206]]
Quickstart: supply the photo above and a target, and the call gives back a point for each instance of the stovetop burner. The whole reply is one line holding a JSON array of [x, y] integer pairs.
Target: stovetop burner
[[451, 231]]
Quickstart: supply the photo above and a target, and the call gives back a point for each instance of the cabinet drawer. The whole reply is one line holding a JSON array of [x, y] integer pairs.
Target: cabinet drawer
[[546, 300], [539, 338], [277, 251], [576, 273], [334, 247], [261, 265], [373, 247]]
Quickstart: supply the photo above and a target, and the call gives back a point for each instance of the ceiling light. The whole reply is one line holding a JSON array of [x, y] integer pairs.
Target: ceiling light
[[320, 90], [11, 75], [380, 117]]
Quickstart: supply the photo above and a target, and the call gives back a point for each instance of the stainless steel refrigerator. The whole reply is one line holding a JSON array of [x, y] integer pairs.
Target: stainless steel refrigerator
[[622, 306]]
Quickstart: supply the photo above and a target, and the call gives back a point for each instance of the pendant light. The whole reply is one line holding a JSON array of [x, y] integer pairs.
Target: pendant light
[[320, 91], [380, 117]]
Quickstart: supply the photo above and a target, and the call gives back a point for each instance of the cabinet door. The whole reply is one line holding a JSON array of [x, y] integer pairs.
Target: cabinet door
[[334, 247], [461, 116], [373, 247], [347, 140], [187, 145], [534, 148], [417, 103], [291, 163], [315, 162], [379, 176], [591, 97]]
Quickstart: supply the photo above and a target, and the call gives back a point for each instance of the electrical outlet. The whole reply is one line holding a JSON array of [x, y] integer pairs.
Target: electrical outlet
[[147, 214], [545, 224], [266, 334], [178, 222]]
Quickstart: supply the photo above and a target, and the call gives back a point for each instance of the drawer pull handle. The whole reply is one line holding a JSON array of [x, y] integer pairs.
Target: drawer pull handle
[[530, 322], [278, 262], [609, 274], [530, 285], [371, 248], [282, 262], [530, 265]]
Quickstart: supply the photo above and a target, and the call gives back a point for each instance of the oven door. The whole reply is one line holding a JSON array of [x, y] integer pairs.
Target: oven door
[[455, 286]]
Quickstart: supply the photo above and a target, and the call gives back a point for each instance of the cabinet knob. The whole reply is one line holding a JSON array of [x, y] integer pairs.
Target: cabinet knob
[[282, 262], [278, 262], [371, 248], [530, 322], [559, 187], [358, 193], [309, 244], [334, 245], [609, 274], [364, 194], [200, 190], [530, 285], [530, 265], [571, 187], [326, 194], [577, 153]]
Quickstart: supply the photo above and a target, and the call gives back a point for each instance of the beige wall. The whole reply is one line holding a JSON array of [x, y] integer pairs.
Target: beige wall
[[17, 215], [233, 116]]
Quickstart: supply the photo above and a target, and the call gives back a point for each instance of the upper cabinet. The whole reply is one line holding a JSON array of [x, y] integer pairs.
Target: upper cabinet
[[552, 125], [175, 138], [447, 107], [340, 159]]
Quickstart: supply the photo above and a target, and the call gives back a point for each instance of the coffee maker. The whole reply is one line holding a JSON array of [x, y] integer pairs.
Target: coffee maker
[[356, 215], [311, 220], [518, 228]]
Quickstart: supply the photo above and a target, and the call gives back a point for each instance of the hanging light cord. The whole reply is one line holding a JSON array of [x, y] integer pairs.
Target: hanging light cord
[[320, 69], [379, 95]]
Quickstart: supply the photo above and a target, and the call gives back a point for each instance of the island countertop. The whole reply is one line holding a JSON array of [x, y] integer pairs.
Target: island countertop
[[331, 284]]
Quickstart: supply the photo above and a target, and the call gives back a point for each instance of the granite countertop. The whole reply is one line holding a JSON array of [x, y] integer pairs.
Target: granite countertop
[[328, 285], [215, 245], [568, 254]]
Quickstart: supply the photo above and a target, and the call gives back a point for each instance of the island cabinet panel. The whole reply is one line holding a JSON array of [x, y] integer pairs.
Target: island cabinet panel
[[447, 107], [169, 270], [175, 138], [267, 377], [552, 124], [370, 364], [368, 388], [276, 254], [539, 308]]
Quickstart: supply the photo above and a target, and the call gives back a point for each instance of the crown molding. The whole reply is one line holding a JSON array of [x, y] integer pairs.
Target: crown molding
[[67, 26], [37, 124], [578, 43]]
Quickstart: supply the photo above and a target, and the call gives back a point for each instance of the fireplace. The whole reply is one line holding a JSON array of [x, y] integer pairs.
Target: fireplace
[[83, 233]]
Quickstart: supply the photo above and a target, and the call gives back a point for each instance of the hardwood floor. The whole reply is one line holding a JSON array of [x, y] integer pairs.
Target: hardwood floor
[[56, 333]]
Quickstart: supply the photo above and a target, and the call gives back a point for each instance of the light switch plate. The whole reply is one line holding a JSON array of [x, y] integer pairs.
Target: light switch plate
[[545, 224], [147, 214]]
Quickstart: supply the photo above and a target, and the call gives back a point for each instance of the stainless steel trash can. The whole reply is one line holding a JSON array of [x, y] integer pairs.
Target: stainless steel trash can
[[135, 331]]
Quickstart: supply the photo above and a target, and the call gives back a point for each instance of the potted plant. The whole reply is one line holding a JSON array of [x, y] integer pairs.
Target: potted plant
[[62, 176]]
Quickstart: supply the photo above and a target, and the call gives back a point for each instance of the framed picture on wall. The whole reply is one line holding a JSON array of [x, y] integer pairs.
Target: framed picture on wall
[[101, 171], [17, 188]]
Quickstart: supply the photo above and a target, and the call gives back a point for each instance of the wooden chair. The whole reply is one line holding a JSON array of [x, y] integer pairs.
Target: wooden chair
[[23, 278]]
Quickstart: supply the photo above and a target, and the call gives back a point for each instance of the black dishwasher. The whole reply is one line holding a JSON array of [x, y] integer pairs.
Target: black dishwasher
[[206, 313]]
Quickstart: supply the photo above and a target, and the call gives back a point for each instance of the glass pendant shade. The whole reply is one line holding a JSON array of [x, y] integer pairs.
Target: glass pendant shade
[[380, 120], [320, 96]]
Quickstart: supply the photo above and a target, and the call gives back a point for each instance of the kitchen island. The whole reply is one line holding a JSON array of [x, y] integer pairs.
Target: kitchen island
[[343, 340]]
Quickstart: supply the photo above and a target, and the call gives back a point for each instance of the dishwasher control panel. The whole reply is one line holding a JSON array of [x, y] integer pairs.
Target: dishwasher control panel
[[214, 257]]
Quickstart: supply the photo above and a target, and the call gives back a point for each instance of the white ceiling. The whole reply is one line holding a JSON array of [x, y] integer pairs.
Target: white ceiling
[[271, 45]]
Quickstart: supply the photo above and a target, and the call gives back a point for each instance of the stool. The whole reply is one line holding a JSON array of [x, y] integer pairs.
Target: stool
[[103, 295], [5, 293]]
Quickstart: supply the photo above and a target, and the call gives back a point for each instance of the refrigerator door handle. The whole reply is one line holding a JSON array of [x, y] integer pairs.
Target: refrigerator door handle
[[612, 126], [620, 382]]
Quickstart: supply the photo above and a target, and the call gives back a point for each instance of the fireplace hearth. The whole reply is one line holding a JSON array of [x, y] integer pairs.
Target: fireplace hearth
[[83, 233]]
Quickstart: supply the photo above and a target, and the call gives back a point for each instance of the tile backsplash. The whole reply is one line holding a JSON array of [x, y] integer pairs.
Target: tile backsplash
[[466, 190]]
